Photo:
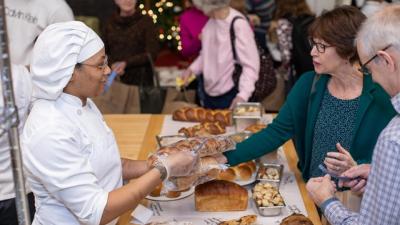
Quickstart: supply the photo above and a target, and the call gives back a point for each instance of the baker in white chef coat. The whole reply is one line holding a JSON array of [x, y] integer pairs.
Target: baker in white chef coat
[[70, 155]]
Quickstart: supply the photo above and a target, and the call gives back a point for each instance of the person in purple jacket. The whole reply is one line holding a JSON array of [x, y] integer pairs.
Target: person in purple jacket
[[192, 22]]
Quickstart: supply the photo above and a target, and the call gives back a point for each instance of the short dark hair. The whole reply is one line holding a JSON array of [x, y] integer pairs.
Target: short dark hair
[[339, 28]]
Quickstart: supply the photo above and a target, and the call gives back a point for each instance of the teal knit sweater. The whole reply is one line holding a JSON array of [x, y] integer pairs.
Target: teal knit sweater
[[297, 117]]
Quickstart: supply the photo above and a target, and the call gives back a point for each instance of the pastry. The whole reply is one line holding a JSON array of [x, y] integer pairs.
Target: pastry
[[244, 220], [255, 128], [220, 196], [243, 172], [228, 175], [296, 219], [157, 191], [266, 195]]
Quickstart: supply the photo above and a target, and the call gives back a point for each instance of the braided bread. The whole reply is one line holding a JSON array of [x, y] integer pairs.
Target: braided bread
[[203, 115], [203, 130]]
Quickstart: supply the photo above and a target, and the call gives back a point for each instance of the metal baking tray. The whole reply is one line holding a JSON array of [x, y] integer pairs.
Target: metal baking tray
[[249, 110], [269, 210], [264, 167], [167, 140]]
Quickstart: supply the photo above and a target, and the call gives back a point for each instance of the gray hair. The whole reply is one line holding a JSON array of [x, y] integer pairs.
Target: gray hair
[[209, 5], [380, 30]]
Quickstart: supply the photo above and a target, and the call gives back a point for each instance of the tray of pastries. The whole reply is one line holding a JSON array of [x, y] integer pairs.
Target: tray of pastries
[[248, 110], [270, 173], [268, 200]]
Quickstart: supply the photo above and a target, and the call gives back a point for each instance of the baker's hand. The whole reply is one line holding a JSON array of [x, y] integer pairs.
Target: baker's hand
[[235, 101], [359, 175], [321, 189], [180, 164], [338, 162]]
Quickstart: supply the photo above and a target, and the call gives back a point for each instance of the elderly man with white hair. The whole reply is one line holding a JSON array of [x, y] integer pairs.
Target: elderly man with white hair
[[70, 154], [378, 45]]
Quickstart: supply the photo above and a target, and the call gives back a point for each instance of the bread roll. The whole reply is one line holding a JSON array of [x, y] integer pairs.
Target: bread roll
[[220, 196], [173, 194], [244, 220], [254, 128], [228, 175], [296, 219], [157, 191], [243, 172]]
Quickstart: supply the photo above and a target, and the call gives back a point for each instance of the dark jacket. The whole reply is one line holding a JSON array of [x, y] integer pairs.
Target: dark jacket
[[297, 117], [132, 39]]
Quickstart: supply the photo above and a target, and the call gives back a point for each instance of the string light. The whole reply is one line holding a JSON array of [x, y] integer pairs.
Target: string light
[[141, 6], [144, 12], [160, 10], [169, 37], [161, 36]]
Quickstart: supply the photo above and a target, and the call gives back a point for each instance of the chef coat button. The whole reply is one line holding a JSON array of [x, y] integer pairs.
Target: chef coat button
[[79, 112]]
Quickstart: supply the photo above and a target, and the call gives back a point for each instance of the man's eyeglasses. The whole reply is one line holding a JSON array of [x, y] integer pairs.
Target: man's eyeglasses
[[100, 67], [363, 67], [320, 47]]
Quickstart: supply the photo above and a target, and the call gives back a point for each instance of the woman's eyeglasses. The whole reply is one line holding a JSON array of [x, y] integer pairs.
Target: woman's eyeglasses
[[320, 47], [100, 67], [363, 67]]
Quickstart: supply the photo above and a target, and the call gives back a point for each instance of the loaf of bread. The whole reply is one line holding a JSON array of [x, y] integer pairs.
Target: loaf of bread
[[204, 129], [220, 196], [296, 219], [203, 115], [244, 220]]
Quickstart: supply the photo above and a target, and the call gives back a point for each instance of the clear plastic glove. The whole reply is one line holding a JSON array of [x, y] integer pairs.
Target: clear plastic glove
[[180, 164], [338, 162]]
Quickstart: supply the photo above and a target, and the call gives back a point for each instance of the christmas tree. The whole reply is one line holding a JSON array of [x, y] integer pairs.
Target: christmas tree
[[165, 14]]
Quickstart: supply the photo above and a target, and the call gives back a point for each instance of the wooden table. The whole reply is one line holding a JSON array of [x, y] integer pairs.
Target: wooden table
[[135, 134]]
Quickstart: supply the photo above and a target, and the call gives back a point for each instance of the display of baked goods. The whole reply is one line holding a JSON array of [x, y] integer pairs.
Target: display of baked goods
[[270, 173], [266, 195], [199, 114], [247, 111], [241, 172], [204, 129], [296, 219], [254, 128], [244, 220], [220, 196]]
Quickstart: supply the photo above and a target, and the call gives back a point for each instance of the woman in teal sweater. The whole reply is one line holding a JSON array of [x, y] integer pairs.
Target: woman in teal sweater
[[335, 104]]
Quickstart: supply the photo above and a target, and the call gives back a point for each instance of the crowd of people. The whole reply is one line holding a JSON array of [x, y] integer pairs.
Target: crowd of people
[[342, 69]]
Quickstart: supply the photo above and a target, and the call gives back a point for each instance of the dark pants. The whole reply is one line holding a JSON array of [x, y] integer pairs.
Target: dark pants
[[214, 102], [8, 211]]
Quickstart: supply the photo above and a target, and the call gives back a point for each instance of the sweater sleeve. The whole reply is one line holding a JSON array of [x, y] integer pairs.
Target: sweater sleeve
[[280, 130], [190, 45], [249, 58]]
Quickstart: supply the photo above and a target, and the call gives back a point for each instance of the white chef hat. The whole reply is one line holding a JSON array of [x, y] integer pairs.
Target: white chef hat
[[209, 5], [56, 52]]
